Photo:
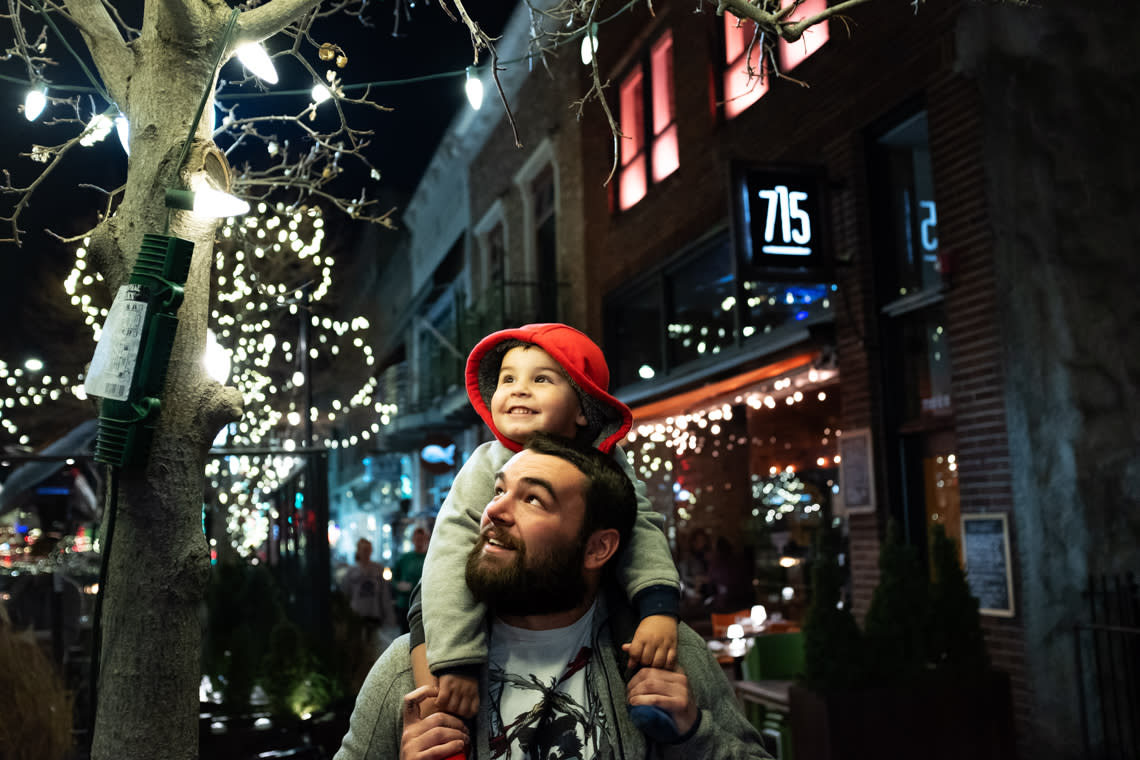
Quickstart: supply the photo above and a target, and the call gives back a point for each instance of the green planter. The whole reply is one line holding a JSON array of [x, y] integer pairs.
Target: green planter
[[933, 719]]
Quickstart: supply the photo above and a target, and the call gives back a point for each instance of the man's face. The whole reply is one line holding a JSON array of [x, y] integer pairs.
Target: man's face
[[533, 395], [529, 557]]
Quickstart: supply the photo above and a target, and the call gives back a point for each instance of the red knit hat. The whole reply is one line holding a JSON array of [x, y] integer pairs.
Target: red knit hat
[[607, 419]]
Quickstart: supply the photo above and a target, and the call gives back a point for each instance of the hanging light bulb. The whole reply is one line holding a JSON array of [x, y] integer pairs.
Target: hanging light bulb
[[253, 56], [474, 88], [98, 128], [216, 359], [206, 201], [589, 44], [124, 131], [321, 93], [35, 102]]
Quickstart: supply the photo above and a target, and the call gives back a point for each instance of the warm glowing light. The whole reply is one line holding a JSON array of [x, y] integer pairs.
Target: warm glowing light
[[35, 102], [474, 88], [253, 56]]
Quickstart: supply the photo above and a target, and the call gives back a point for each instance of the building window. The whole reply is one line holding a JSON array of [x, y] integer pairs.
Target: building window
[[696, 308], [746, 75], [648, 121], [916, 336]]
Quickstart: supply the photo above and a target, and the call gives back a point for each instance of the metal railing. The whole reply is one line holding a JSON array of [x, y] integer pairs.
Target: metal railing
[[1107, 656]]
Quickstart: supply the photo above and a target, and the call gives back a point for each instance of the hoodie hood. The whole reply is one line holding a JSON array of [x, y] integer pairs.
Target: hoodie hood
[[607, 419]]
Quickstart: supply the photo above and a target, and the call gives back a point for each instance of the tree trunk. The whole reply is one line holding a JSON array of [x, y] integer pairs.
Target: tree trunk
[[159, 562]]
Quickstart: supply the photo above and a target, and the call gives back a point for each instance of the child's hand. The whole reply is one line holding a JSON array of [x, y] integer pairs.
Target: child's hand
[[458, 695], [654, 643]]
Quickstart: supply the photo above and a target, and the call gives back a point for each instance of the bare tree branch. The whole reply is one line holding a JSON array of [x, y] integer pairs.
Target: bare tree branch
[[108, 49]]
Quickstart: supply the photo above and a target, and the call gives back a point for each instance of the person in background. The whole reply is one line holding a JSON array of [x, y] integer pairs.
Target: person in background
[[694, 569], [730, 576], [553, 683], [406, 574], [371, 602]]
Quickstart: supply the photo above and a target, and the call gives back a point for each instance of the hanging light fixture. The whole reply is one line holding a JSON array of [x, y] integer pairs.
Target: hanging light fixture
[[123, 130], [321, 93], [206, 201], [589, 44], [474, 88], [98, 128], [253, 56], [35, 101]]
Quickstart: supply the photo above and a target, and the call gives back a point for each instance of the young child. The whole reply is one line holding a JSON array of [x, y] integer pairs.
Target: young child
[[554, 379]]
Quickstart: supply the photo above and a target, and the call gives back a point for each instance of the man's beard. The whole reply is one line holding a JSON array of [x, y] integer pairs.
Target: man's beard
[[542, 585]]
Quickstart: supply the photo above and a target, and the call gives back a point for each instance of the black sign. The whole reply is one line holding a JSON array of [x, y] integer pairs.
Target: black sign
[[780, 221], [985, 545]]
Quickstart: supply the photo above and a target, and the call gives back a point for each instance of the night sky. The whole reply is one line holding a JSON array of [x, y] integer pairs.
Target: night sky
[[428, 43]]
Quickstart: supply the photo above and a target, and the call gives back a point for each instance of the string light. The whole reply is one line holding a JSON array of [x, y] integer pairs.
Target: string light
[[35, 102], [474, 88]]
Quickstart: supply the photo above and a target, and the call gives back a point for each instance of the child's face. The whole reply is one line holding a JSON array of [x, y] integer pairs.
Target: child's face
[[534, 396]]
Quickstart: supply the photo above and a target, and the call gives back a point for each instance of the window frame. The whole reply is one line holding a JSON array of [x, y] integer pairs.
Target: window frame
[[655, 154]]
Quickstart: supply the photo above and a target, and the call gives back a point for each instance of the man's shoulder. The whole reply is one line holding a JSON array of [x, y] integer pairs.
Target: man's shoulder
[[487, 459]]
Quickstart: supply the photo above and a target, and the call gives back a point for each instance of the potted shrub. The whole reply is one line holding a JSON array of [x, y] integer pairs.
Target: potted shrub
[[915, 682]]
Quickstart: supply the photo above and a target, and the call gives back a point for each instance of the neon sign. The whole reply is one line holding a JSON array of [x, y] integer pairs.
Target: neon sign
[[779, 220]]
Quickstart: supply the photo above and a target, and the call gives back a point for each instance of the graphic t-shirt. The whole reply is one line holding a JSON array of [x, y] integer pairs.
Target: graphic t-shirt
[[543, 707]]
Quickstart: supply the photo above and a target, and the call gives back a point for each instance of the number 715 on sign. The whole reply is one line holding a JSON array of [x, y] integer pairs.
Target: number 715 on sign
[[795, 223]]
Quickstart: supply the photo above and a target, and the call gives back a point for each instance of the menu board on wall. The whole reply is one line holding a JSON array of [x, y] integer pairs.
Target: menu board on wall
[[985, 547], [856, 471]]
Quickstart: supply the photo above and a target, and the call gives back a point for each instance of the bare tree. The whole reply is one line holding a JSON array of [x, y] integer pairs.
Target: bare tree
[[160, 71]]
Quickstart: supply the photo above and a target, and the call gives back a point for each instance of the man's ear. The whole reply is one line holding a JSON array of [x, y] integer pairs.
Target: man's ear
[[600, 546]]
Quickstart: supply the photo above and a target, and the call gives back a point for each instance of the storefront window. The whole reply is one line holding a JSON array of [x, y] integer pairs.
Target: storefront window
[[918, 401], [702, 297], [745, 474], [770, 305], [926, 364], [633, 353], [905, 161]]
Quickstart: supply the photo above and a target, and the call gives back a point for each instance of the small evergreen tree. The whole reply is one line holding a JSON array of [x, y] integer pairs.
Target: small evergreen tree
[[833, 652], [897, 620], [955, 640]]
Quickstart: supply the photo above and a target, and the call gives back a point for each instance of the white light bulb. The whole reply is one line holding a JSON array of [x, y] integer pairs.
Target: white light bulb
[[215, 203], [321, 93], [97, 129], [35, 102], [216, 359], [474, 88], [589, 45], [253, 56], [124, 131]]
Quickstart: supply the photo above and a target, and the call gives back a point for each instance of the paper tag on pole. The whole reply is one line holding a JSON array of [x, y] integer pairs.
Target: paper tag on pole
[[116, 353]]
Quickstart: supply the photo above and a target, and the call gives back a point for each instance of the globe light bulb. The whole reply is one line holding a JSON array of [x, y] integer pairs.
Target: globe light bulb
[[321, 93], [35, 102]]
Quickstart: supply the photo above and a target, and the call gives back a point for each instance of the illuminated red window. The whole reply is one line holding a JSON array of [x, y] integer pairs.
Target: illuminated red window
[[649, 150], [745, 74], [665, 158]]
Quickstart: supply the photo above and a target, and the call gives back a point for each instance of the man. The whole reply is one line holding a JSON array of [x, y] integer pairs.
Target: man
[[554, 684], [406, 574]]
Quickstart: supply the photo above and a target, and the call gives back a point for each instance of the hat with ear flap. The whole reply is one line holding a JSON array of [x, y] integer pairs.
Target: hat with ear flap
[[607, 419]]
